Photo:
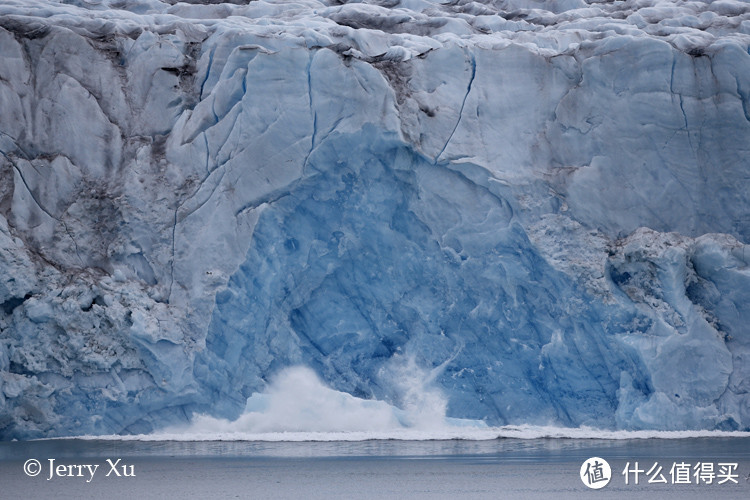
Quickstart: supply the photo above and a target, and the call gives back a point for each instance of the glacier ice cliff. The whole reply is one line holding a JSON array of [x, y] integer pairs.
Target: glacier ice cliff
[[543, 204]]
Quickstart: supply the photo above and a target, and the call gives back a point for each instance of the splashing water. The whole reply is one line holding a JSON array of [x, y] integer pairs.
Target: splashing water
[[298, 403], [424, 405], [298, 406]]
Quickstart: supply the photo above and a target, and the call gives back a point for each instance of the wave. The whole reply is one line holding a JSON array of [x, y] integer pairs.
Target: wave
[[485, 434], [298, 407]]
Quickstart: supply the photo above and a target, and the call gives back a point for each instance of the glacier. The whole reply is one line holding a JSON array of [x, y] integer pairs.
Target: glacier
[[537, 208]]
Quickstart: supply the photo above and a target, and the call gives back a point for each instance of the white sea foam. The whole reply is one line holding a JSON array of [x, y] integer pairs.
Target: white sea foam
[[297, 406], [486, 434]]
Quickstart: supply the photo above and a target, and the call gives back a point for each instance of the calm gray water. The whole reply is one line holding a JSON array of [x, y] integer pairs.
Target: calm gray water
[[503, 468]]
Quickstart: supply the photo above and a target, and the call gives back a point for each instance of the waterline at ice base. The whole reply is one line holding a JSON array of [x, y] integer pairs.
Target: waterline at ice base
[[298, 407], [402, 218]]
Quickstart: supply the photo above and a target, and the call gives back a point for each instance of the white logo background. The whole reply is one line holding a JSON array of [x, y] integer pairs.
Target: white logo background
[[596, 473]]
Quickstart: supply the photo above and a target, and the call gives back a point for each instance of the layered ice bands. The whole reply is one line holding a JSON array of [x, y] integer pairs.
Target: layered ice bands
[[538, 209]]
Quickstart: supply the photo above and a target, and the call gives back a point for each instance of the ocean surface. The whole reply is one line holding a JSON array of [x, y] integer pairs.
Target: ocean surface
[[505, 467]]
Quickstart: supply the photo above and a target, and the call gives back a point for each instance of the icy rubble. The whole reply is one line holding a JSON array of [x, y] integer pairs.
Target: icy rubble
[[196, 195]]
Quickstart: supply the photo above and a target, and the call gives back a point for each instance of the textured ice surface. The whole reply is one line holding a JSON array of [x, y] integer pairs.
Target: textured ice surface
[[537, 208]]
